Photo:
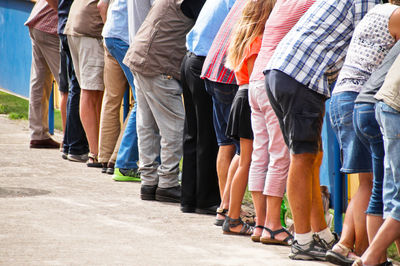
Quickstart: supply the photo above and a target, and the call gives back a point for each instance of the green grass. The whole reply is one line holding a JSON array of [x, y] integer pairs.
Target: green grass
[[17, 108]]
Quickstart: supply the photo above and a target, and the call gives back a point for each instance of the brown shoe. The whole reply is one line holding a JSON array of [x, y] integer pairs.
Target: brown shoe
[[44, 144]]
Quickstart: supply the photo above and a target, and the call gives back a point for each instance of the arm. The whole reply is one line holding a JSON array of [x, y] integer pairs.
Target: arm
[[250, 63], [394, 24], [102, 6], [53, 4]]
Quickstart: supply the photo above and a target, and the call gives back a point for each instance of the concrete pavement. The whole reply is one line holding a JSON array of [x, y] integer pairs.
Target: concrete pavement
[[55, 212]]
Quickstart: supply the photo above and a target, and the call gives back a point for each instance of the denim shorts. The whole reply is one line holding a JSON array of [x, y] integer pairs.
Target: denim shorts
[[222, 96], [300, 112], [355, 157], [368, 131]]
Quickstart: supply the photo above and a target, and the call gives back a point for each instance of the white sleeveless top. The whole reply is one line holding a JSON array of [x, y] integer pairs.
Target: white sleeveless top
[[370, 43]]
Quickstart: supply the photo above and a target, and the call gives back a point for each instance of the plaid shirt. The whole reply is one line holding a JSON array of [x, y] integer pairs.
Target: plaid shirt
[[43, 18], [214, 65], [313, 51]]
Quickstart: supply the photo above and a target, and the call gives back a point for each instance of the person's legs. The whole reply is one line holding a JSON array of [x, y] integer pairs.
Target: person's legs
[[75, 142], [115, 86], [149, 139], [199, 175], [90, 76], [300, 112], [63, 86], [89, 114], [45, 64], [368, 131], [128, 155], [239, 182]]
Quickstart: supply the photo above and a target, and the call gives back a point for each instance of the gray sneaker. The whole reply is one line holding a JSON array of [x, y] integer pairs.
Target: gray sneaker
[[82, 158], [322, 243], [309, 251]]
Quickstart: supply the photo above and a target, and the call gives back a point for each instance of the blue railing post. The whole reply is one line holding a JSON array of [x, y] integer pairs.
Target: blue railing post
[[339, 191], [51, 111]]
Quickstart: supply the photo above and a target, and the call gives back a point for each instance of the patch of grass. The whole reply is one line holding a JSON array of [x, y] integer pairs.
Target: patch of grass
[[392, 253], [15, 107], [18, 108]]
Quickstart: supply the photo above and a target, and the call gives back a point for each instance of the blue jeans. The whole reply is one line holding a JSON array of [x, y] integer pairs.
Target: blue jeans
[[128, 154], [368, 131], [355, 156], [75, 141], [389, 121], [222, 96]]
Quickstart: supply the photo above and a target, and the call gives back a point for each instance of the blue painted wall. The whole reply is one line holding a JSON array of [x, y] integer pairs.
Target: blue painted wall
[[15, 46]]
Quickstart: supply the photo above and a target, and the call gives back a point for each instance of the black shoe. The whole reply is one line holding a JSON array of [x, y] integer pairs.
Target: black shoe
[[172, 194], [148, 192], [103, 168], [212, 210], [187, 209]]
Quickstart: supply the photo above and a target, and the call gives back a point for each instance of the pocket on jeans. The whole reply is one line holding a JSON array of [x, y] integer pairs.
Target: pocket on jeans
[[306, 127], [368, 125]]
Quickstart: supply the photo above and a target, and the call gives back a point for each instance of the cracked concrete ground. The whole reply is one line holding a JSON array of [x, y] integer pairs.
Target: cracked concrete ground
[[55, 212]]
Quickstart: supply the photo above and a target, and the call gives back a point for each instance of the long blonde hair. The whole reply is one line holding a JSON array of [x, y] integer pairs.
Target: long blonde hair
[[251, 24]]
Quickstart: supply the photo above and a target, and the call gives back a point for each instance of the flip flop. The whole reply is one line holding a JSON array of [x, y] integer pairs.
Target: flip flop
[[271, 240]]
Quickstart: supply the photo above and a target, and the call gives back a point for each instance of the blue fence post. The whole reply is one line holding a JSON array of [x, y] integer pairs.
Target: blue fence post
[[51, 111], [339, 191], [126, 102]]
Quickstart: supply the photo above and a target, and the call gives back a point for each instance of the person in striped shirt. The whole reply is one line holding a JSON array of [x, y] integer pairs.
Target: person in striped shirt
[[297, 78]]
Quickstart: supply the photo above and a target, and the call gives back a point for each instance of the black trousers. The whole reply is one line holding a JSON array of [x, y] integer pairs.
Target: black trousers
[[75, 141], [199, 176]]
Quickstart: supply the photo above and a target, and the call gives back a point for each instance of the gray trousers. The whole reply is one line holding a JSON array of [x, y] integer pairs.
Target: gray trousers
[[45, 65], [160, 120]]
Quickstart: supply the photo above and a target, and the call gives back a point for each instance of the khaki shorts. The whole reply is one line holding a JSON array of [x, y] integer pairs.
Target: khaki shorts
[[88, 57]]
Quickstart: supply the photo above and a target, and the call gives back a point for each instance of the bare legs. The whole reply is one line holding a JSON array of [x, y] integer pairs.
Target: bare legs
[[239, 181], [63, 108], [304, 193], [90, 106]]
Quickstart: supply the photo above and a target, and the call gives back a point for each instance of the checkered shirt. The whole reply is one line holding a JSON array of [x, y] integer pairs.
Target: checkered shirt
[[313, 51]]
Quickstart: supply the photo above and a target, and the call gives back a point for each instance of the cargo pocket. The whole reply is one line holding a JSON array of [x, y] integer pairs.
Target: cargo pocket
[[306, 127]]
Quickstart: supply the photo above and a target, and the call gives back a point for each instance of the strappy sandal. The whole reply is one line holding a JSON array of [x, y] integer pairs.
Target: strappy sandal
[[271, 239], [341, 255], [222, 212], [257, 238], [230, 223], [93, 161]]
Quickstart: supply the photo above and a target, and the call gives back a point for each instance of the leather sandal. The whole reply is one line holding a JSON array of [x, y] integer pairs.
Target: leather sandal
[[256, 238], [230, 223], [223, 212], [271, 239]]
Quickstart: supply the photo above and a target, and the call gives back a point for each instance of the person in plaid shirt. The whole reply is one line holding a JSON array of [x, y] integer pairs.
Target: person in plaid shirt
[[297, 79]]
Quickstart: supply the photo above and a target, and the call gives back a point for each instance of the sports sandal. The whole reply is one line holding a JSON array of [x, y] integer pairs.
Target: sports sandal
[[271, 240], [222, 212], [230, 223], [256, 238], [93, 161], [341, 255]]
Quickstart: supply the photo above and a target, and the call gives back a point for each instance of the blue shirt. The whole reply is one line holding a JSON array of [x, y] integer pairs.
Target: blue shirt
[[211, 16], [63, 10], [117, 21], [313, 51]]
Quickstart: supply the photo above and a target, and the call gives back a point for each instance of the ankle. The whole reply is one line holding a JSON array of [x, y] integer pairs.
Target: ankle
[[303, 239]]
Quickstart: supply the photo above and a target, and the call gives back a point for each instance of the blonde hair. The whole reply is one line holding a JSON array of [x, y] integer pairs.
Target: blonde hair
[[395, 2], [251, 24]]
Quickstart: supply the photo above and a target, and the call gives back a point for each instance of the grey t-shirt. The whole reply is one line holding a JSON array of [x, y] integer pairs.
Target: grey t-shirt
[[375, 81], [137, 12]]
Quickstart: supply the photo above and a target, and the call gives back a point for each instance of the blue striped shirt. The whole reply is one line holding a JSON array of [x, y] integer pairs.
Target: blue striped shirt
[[314, 49]]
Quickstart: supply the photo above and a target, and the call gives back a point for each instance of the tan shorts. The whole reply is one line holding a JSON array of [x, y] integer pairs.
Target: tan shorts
[[88, 57]]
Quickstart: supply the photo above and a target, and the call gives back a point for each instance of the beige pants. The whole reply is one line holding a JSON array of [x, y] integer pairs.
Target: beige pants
[[115, 85], [45, 65]]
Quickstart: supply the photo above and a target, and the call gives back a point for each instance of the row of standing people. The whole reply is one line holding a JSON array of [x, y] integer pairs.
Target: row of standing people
[[284, 56]]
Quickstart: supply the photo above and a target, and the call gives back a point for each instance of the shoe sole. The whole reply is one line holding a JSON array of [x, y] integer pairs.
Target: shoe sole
[[304, 257], [147, 197], [167, 199], [126, 179], [75, 160], [338, 259], [202, 211]]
